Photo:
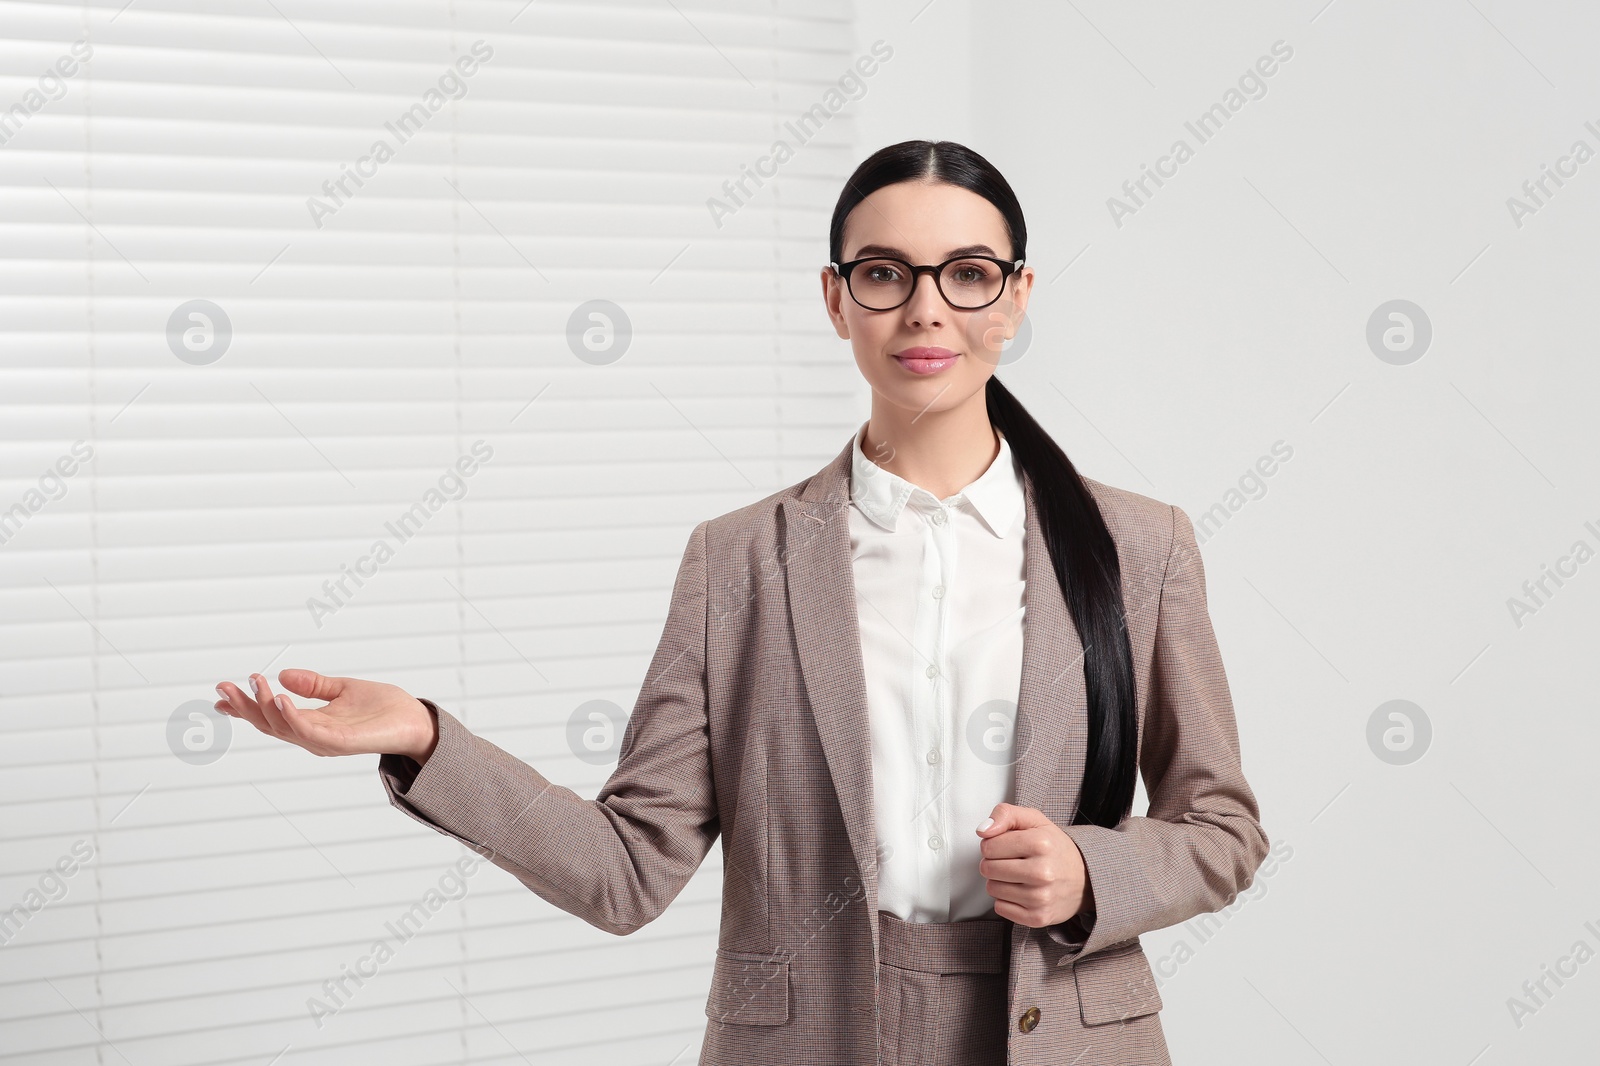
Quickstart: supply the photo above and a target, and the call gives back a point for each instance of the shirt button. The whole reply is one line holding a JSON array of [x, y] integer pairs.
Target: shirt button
[[932, 671], [938, 518], [938, 592], [933, 754], [935, 842]]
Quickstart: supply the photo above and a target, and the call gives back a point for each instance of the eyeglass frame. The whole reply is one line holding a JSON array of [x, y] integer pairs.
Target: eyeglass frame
[[843, 271]]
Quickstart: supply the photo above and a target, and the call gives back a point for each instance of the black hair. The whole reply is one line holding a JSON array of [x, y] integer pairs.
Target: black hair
[[1082, 551]]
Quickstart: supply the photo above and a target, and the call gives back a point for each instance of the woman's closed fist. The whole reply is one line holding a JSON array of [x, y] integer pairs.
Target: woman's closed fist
[[357, 717]]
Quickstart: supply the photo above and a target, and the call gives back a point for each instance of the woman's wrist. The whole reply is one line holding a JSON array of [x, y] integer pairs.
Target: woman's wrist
[[428, 736]]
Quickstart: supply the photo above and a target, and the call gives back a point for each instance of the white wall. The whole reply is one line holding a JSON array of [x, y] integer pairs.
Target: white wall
[[1229, 313]]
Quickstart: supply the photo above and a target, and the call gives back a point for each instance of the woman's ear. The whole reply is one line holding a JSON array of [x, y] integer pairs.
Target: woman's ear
[[1024, 289], [832, 297], [1013, 302]]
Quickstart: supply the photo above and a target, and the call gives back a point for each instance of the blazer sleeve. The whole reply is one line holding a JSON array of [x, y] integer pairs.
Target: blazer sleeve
[[1202, 840], [617, 860]]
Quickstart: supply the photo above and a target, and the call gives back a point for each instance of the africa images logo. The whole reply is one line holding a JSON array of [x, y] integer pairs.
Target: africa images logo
[[450, 85]]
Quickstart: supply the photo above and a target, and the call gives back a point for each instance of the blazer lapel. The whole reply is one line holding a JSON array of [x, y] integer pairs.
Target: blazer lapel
[[1051, 715], [822, 610], [1052, 710]]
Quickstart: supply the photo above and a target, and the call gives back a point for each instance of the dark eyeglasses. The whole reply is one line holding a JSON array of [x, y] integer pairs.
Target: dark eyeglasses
[[967, 283]]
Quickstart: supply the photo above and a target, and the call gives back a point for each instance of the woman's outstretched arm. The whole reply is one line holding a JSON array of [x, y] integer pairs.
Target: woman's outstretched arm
[[615, 861]]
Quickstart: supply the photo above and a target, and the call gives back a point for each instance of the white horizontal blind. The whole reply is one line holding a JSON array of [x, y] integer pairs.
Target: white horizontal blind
[[186, 488]]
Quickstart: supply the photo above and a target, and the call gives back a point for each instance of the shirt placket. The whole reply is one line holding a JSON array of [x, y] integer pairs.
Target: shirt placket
[[932, 727]]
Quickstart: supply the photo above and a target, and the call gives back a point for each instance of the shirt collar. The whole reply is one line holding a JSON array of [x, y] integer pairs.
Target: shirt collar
[[995, 496]]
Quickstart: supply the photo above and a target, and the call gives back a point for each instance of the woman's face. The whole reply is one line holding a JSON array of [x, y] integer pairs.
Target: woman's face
[[920, 223]]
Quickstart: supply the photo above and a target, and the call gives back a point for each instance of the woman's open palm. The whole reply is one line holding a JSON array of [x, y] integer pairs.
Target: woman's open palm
[[358, 717]]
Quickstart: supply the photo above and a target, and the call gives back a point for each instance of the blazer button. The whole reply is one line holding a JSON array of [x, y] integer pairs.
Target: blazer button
[[1029, 1019]]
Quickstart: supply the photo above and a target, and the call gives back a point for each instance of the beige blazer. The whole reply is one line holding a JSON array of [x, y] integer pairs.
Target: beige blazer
[[752, 724]]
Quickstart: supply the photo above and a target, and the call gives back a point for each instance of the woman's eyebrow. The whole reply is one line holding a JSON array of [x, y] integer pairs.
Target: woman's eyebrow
[[954, 253]]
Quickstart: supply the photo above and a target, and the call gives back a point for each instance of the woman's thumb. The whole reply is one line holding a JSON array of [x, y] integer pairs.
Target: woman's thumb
[[311, 684], [1008, 816], [998, 822]]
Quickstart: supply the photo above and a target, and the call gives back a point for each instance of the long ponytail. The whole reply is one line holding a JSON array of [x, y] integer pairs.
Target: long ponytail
[[1085, 561], [1082, 551]]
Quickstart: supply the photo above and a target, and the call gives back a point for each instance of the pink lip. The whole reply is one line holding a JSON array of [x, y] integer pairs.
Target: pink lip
[[926, 360]]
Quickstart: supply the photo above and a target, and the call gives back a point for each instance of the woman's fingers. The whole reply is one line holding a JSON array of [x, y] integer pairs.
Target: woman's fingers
[[297, 722], [241, 705], [359, 716], [227, 692], [269, 707], [277, 719], [312, 685]]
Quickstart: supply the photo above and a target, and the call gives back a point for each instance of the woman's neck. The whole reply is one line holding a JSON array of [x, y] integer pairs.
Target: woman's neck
[[940, 451]]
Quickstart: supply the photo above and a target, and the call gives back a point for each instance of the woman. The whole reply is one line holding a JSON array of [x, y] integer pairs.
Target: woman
[[911, 694]]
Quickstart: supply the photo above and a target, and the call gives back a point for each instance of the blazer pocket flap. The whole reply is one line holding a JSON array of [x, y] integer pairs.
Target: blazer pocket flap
[[1115, 985], [749, 988]]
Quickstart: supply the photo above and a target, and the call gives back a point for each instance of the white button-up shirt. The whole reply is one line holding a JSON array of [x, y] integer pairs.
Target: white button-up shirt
[[939, 587]]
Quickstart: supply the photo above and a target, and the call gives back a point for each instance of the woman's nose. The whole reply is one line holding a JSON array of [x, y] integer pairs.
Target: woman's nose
[[926, 306]]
